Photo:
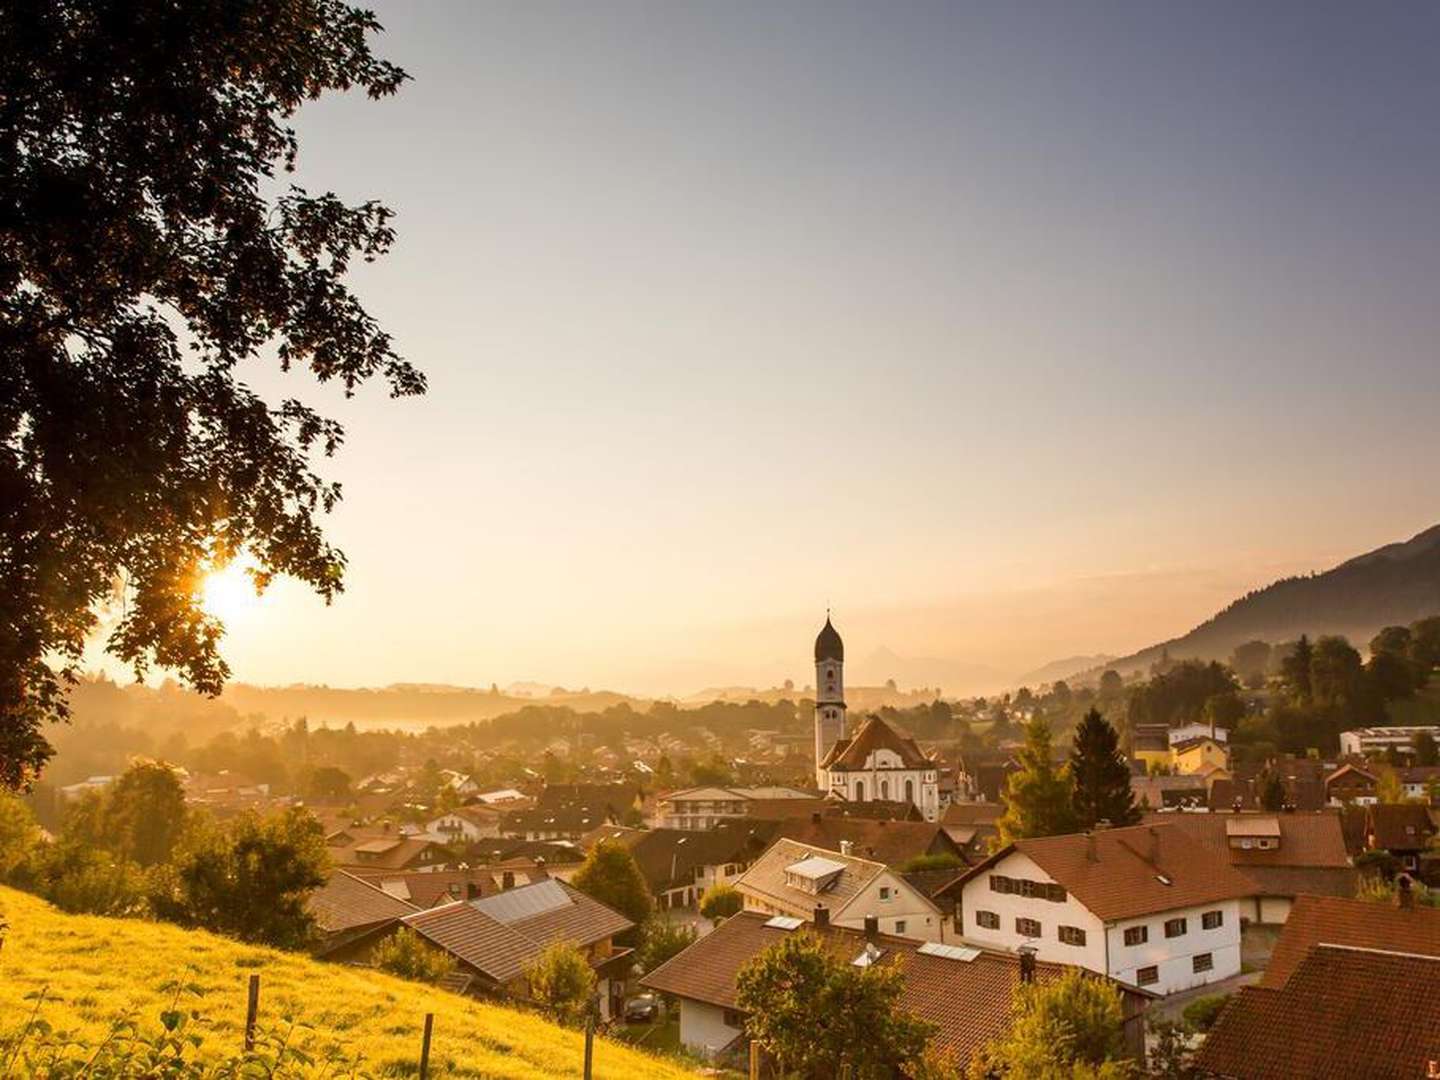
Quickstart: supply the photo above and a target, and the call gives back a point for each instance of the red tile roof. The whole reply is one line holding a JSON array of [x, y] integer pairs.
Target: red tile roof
[[1311, 857], [1316, 920], [1124, 873], [346, 902], [875, 734], [1344, 1013]]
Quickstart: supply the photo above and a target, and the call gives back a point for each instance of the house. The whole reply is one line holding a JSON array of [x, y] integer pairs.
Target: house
[[793, 879], [1362, 742], [1202, 755], [1420, 782], [494, 939], [1195, 730], [1172, 793], [1285, 855], [1302, 784], [680, 864], [347, 909], [465, 824], [1401, 829], [982, 781], [890, 842], [1344, 1012], [965, 992], [1146, 905], [706, 807], [1352, 784], [1150, 746], [880, 763], [568, 811], [371, 849], [874, 809], [428, 889], [1348, 992], [972, 826]]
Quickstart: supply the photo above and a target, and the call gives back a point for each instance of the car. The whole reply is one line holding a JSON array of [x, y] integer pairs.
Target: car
[[643, 1008]]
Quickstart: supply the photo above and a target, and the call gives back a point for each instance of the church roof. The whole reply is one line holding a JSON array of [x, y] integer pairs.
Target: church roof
[[828, 645], [874, 735]]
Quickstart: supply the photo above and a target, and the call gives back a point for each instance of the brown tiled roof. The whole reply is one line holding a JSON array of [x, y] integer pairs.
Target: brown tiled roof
[[1123, 878], [389, 852], [346, 902], [427, 888], [776, 809], [1311, 857], [1316, 920], [969, 1001], [875, 734], [767, 877], [502, 945], [889, 842], [1305, 794], [1399, 827], [1344, 1013], [978, 813], [668, 858], [875, 809]]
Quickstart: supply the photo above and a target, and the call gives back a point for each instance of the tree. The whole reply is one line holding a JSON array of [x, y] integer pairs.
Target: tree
[[1251, 660], [1111, 685], [609, 874], [1272, 791], [1388, 787], [1336, 673], [1426, 751], [1425, 643], [815, 1011], [663, 940], [1224, 710], [562, 981], [143, 813], [408, 955], [1392, 677], [326, 782], [1295, 670], [1100, 775], [720, 901], [86, 880], [19, 836], [1392, 641], [1037, 797], [1071, 1026], [249, 879], [148, 255]]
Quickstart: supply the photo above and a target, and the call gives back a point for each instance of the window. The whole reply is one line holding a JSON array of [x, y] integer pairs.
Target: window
[[859, 790], [1212, 920], [1147, 976], [1036, 890], [734, 1019], [899, 926], [884, 789], [910, 791], [885, 892], [1175, 927], [1137, 935], [1202, 962], [1072, 935], [1001, 884], [988, 919], [1027, 927]]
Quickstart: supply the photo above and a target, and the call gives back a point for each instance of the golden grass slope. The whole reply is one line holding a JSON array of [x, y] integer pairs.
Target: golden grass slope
[[97, 969]]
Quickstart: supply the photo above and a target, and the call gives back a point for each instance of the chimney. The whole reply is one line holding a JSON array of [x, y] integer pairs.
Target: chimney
[[1404, 893], [815, 817], [1090, 853], [822, 917], [846, 847], [1154, 845], [872, 927], [472, 890], [539, 862], [1027, 963], [507, 879]]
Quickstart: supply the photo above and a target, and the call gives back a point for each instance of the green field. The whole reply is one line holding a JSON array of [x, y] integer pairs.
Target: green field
[[95, 970]]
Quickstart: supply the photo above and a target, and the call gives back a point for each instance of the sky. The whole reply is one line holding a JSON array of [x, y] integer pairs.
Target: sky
[[1009, 331]]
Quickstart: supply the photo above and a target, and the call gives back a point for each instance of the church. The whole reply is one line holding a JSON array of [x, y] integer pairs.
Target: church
[[872, 762]]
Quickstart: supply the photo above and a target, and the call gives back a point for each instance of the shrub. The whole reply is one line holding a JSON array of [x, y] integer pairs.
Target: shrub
[[662, 941], [720, 902], [408, 955], [1202, 1013], [562, 981]]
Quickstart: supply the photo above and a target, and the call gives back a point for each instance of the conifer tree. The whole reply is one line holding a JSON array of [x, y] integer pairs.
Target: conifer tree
[[1100, 775], [1038, 797]]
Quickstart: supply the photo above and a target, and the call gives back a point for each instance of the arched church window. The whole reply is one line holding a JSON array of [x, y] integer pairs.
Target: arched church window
[[859, 790], [884, 789], [910, 791]]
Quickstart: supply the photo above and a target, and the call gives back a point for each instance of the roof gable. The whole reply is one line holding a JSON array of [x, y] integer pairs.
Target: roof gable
[[1316, 920], [875, 735]]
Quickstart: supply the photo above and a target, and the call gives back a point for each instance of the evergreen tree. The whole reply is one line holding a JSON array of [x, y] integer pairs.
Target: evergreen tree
[[1100, 775], [1272, 791], [609, 874], [1295, 671], [1037, 798]]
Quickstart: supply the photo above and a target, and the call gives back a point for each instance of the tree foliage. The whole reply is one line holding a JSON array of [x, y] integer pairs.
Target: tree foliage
[[1037, 797], [662, 940], [147, 255], [408, 955], [720, 901], [140, 817], [1072, 1026], [562, 981], [815, 1011], [609, 874], [1100, 775], [249, 878]]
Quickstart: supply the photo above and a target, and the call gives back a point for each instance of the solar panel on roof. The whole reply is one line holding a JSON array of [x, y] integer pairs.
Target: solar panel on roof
[[785, 922], [949, 952], [516, 904]]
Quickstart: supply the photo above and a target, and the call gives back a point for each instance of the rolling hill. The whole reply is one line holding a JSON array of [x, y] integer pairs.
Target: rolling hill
[[95, 970], [1392, 585]]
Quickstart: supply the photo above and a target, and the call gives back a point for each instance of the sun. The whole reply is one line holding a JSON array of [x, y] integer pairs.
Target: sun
[[229, 594]]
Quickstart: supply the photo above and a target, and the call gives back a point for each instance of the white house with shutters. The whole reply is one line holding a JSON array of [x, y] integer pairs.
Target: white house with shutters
[[1147, 905]]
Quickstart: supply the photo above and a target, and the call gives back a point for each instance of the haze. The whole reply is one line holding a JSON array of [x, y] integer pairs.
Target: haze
[[1010, 331]]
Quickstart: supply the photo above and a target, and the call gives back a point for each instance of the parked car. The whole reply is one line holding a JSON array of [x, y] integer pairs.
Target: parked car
[[643, 1008]]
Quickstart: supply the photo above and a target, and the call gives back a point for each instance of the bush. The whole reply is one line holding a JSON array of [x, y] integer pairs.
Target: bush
[[662, 941], [83, 880], [1201, 1014], [562, 981], [408, 955], [720, 902], [942, 861]]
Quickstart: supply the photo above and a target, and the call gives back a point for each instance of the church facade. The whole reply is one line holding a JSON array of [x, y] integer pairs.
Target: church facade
[[874, 762]]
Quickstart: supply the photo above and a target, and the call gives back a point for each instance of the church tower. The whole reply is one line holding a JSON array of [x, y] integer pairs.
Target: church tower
[[829, 695]]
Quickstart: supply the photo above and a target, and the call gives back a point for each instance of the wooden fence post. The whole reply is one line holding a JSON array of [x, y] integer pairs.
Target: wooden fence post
[[252, 1009], [425, 1046], [589, 1042], [754, 1059]]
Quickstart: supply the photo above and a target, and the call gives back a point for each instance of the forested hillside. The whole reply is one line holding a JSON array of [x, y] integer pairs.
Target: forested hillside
[[1392, 586]]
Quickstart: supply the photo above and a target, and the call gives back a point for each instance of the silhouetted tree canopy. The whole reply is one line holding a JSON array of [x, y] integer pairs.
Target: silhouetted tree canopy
[[148, 254]]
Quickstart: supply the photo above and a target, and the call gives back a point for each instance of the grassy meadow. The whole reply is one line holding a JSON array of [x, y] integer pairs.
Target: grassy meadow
[[96, 969]]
